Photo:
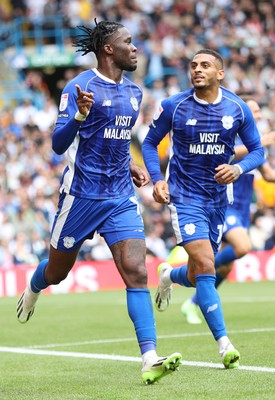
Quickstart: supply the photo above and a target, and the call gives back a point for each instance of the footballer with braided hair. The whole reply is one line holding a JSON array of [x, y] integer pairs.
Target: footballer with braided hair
[[94, 39], [97, 111]]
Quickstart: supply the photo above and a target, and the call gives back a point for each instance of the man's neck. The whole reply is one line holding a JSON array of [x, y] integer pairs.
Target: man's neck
[[207, 95]]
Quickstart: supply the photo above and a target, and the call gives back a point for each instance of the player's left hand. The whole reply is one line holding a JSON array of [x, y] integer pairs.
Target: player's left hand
[[140, 177], [226, 173]]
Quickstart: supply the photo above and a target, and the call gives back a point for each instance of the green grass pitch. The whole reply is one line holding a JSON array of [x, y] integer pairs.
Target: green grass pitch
[[82, 346]]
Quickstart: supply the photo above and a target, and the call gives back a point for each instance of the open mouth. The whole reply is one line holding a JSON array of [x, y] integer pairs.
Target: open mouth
[[198, 78]]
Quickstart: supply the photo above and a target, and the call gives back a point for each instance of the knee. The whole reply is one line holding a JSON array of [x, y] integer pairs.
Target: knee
[[204, 265], [141, 276], [137, 277]]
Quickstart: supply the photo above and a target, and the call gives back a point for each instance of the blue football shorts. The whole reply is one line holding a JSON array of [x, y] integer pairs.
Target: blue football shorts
[[233, 219], [78, 219], [194, 222]]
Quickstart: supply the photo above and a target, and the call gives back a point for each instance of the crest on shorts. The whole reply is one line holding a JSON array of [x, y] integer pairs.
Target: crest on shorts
[[68, 242], [190, 229], [227, 121], [134, 102], [64, 101]]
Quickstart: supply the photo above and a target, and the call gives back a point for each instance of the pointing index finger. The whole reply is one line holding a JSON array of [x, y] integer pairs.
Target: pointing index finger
[[78, 88]]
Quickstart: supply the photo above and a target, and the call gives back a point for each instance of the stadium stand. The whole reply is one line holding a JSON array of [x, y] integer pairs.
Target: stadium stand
[[37, 59]]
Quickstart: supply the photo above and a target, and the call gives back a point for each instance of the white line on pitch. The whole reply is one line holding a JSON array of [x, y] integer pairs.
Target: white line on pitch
[[119, 358]]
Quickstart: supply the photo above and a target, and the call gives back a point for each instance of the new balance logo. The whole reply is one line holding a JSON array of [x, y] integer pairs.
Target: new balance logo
[[191, 122], [212, 308], [107, 103]]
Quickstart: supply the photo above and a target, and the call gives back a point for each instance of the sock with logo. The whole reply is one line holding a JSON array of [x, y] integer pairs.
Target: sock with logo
[[210, 304]]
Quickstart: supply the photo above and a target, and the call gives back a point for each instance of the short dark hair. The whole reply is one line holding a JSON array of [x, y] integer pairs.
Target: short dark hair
[[95, 38], [212, 53]]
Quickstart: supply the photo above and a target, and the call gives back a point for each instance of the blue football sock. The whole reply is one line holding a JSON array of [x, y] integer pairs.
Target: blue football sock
[[194, 299], [140, 310], [179, 276], [225, 256], [210, 304], [219, 280], [38, 282]]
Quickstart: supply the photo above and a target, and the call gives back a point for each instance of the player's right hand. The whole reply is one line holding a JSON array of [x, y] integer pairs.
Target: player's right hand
[[161, 192], [84, 100]]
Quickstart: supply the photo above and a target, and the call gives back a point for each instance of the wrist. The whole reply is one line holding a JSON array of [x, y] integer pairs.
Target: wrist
[[80, 117], [239, 168]]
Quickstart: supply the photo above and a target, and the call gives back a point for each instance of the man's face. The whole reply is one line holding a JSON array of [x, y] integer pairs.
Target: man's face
[[124, 51], [206, 71]]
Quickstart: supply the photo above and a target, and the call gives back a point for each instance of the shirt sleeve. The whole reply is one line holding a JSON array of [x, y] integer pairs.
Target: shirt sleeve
[[66, 127], [250, 137], [158, 129]]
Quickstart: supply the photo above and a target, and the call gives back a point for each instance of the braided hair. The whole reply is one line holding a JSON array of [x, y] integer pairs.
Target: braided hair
[[94, 39]]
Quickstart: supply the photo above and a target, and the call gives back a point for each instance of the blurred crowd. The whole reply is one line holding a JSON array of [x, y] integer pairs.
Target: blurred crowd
[[166, 33]]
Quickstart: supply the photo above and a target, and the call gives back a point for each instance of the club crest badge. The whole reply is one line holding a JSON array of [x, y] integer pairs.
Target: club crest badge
[[190, 229], [134, 103], [227, 122], [68, 242]]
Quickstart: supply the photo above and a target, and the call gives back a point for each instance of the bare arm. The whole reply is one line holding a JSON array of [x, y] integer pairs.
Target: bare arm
[[267, 172]]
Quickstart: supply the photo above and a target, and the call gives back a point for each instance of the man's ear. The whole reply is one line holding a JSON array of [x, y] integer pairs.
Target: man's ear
[[221, 75], [108, 48]]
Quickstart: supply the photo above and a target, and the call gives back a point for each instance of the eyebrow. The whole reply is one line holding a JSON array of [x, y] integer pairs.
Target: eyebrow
[[215, 62], [201, 62]]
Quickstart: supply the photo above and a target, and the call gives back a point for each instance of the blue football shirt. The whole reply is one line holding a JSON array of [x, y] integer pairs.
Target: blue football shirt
[[202, 136], [242, 193], [98, 150]]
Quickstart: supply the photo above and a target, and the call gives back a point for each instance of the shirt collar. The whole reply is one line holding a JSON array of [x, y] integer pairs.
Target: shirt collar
[[105, 77], [217, 100]]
